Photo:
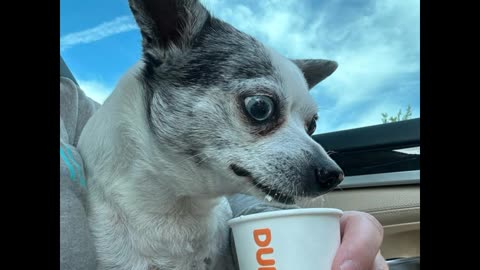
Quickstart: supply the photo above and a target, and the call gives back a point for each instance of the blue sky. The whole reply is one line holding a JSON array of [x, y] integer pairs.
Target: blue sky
[[375, 42]]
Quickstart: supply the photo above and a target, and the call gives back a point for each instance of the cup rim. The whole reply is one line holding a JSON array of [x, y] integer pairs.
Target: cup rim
[[285, 213]]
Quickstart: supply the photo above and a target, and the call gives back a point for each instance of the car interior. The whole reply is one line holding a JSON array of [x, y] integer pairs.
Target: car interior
[[382, 168]]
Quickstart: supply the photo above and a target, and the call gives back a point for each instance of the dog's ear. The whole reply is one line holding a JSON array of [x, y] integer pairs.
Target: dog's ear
[[315, 70], [168, 24]]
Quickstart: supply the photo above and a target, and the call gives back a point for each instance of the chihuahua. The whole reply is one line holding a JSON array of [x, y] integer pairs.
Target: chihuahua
[[207, 111]]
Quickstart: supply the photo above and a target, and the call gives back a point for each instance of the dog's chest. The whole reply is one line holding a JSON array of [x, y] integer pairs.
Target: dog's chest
[[193, 244], [200, 252], [205, 264], [166, 243]]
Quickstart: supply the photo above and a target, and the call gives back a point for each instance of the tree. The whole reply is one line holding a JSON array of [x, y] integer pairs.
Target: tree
[[398, 117]]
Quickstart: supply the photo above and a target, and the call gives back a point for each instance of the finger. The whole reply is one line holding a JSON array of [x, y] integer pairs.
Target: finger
[[362, 236], [380, 263]]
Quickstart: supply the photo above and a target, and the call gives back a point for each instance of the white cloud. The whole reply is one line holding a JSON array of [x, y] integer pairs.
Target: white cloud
[[95, 89], [116, 26]]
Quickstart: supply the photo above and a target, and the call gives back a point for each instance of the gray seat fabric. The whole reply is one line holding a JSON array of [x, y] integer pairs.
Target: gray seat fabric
[[65, 71], [77, 250]]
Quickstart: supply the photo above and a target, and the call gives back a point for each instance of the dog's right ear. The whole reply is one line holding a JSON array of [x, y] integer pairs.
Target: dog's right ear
[[315, 70], [168, 25]]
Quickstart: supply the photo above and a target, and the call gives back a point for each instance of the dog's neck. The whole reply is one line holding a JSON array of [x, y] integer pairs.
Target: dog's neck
[[155, 195], [151, 199], [140, 173]]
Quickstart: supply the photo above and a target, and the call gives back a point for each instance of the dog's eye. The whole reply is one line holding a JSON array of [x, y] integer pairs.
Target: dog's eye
[[260, 108], [312, 126]]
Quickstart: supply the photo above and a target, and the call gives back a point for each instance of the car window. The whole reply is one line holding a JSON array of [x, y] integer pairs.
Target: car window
[[375, 42]]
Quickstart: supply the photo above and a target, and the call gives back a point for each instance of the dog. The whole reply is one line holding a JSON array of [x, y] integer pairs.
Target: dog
[[206, 112]]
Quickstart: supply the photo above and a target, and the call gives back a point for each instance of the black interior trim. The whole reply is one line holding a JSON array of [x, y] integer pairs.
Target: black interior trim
[[402, 134], [370, 150]]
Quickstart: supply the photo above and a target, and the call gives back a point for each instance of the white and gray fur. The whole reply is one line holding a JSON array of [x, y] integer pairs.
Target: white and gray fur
[[173, 139]]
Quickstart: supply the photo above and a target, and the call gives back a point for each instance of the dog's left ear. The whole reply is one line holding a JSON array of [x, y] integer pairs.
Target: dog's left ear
[[315, 70]]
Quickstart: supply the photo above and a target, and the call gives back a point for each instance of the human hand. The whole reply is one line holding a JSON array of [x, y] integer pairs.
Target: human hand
[[362, 236]]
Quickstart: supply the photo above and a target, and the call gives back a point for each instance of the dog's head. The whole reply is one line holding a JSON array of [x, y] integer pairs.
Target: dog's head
[[235, 110]]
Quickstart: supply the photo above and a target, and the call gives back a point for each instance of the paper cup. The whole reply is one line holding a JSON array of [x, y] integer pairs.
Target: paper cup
[[294, 239]]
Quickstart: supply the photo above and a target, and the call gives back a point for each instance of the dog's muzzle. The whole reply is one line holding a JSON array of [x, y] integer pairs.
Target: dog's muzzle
[[316, 179]]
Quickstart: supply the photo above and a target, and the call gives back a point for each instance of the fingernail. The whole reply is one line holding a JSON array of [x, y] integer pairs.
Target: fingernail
[[348, 265]]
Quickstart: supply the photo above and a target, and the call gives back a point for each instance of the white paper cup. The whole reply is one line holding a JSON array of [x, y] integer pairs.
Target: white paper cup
[[294, 239]]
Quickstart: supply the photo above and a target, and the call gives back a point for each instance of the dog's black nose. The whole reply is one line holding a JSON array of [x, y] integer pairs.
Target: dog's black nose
[[328, 178]]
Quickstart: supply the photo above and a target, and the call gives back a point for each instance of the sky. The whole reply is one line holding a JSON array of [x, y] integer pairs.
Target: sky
[[375, 42]]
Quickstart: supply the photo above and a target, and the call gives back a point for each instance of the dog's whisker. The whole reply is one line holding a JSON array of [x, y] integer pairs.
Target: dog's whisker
[[191, 157], [202, 160], [331, 152], [252, 188], [296, 191], [257, 185], [189, 168], [308, 203]]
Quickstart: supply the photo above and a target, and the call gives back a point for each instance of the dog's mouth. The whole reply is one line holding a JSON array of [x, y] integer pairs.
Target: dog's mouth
[[270, 192]]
